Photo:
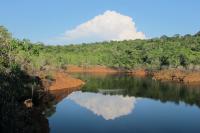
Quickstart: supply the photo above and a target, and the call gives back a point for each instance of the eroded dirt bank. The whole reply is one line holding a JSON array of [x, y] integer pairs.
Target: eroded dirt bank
[[139, 72], [64, 81], [176, 75], [190, 77], [61, 80]]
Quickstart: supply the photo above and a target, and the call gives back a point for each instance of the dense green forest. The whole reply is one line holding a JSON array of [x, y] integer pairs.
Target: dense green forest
[[177, 51]]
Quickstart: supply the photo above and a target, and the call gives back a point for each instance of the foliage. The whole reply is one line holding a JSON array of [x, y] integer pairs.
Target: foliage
[[5, 38], [156, 53], [150, 54], [17, 85]]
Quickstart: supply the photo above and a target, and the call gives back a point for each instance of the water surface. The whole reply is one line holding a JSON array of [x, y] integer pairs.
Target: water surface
[[125, 104]]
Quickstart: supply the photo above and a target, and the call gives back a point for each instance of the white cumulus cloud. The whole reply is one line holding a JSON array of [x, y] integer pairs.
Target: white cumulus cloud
[[110, 25]]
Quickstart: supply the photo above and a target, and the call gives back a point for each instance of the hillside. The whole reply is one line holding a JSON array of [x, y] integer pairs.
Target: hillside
[[164, 52]]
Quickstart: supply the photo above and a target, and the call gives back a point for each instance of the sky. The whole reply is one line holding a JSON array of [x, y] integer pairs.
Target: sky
[[78, 21]]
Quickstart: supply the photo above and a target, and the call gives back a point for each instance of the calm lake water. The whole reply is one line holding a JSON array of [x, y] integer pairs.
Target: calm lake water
[[125, 104]]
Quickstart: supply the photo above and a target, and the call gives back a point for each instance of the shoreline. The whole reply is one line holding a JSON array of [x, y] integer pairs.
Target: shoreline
[[174, 75], [62, 80]]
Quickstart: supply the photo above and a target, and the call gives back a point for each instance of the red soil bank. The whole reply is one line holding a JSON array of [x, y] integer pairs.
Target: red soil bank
[[64, 81], [178, 76]]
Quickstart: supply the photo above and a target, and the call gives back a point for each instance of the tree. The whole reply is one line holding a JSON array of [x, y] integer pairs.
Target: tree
[[164, 37], [5, 38], [183, 60], [177, 36], [197, 34], [164, 61]]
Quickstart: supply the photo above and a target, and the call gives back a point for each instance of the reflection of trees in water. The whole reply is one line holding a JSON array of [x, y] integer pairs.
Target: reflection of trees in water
[[14, 116], [142, 87]]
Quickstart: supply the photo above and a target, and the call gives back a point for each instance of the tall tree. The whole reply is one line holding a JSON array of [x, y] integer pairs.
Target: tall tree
[[5, 38]]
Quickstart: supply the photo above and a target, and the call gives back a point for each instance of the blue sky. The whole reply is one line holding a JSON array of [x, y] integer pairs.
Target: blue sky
[[42, 20]]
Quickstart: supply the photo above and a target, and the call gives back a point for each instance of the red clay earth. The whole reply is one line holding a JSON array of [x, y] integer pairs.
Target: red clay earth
[[182, 76], [190, 77], [59, 81], [64, 81], [60, 84], [139, 72]]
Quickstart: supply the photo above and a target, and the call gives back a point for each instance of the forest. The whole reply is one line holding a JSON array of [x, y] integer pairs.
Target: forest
[[165, 52], [156, 53]]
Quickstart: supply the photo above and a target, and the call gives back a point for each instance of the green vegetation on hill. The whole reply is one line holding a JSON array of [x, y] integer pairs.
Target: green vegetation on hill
[[178, 52]]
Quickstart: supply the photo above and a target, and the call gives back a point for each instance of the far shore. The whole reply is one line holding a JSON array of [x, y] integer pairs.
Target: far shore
[[173, 74], [62, 80]]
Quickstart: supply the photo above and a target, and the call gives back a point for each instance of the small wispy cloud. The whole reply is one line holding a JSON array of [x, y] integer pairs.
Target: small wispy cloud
[[110, 25]]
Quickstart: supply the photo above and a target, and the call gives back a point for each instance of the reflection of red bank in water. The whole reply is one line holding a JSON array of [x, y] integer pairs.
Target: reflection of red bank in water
[[64, 81], [61, 94]]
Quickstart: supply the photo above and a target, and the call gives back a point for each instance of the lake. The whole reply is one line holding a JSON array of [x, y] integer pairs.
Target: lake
[[124, 104]]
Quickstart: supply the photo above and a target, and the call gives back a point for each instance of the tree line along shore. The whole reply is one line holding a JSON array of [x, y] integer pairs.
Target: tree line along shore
[[176, 57]]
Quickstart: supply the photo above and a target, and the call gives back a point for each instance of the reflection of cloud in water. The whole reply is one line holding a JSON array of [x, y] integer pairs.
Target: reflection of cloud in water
[[110, 107]]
